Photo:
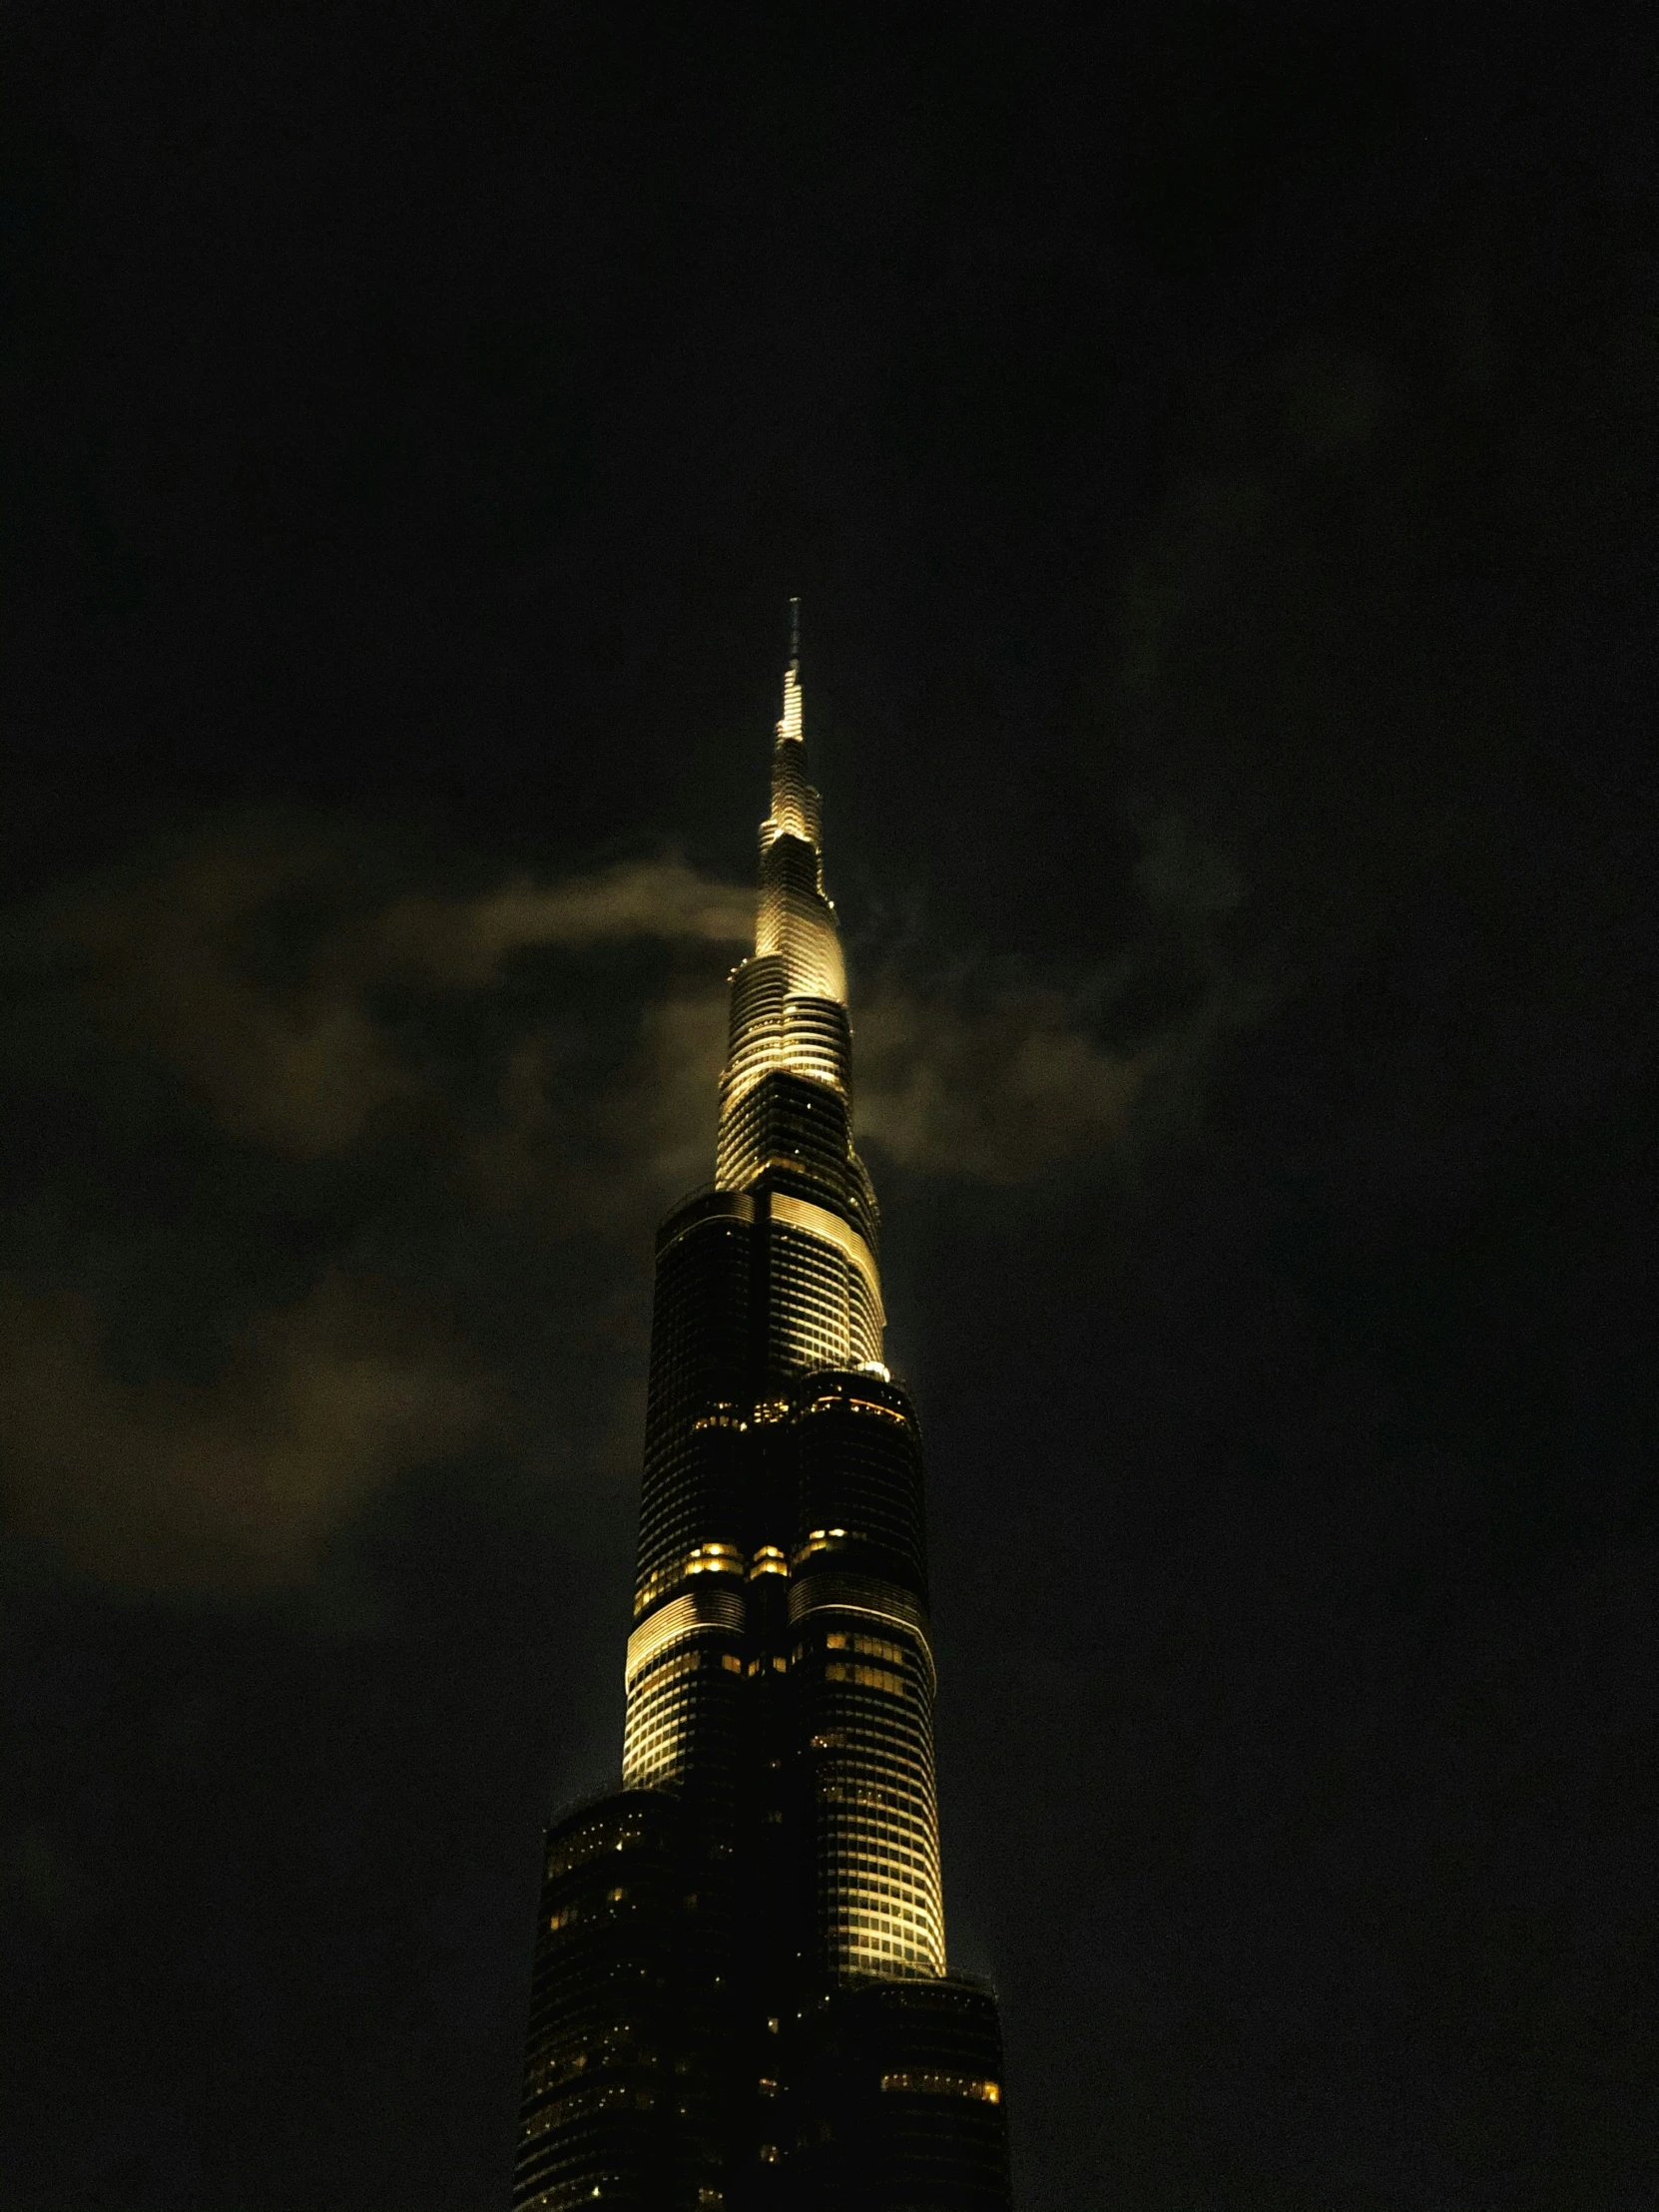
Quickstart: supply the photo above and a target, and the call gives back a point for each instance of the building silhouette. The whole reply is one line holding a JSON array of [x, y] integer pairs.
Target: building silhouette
[[741, 1996]]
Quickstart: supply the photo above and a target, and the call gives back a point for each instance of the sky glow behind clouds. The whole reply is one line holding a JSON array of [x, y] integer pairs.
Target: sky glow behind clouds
[[1215, 451]]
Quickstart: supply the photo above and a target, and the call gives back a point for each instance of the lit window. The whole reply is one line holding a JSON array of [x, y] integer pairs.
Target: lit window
[[711, 1558]]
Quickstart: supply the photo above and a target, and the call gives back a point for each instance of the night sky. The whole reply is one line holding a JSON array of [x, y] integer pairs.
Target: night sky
[[1215, 446]]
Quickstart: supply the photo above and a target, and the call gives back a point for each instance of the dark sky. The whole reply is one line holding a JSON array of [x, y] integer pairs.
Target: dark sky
[[1216, 447]]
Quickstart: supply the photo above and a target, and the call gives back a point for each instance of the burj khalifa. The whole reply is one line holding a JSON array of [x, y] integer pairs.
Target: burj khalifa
[[741, 1996]]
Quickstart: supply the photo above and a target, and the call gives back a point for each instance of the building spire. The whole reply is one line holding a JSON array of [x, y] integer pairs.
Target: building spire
[[790, 725], [777, 1755]]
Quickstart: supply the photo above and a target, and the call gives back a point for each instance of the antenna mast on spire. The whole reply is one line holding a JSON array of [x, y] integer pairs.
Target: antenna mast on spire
[[795, 633]]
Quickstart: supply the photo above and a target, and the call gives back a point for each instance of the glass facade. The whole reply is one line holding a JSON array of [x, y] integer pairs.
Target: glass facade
[[742, 1996]]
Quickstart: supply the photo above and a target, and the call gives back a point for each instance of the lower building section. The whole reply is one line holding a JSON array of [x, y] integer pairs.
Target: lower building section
[[680, 2060], [741, 1998], [626, 2093], [895, 2101]]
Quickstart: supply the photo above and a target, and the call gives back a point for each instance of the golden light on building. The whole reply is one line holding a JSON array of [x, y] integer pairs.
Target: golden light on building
[[778, 1772]]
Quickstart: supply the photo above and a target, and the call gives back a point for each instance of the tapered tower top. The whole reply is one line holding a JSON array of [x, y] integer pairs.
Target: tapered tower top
[[789, 725]]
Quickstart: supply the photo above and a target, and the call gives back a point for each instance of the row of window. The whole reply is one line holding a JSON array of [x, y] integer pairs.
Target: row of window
[[567, 1916], [868, 1678], [834, 1403], [873, 1647], [679, 1663], [903, 1845], [882, 1953], [588, 1843], [889, 1798], [606, 2097], [891, 1757], [927, 2085], [566, 2196], [884, 1725], [902, 1752], [726, 1558], [893, 1801], [614, 2047], [879, 1877], [861, 1911]]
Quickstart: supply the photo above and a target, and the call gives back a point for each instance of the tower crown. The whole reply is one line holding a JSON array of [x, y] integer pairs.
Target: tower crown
[[786, 1095], [796, 807]]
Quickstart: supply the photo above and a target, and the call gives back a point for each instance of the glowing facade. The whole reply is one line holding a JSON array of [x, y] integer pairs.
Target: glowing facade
[[741, 1993]]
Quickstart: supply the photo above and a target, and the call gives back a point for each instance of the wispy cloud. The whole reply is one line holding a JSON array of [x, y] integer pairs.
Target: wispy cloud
[[993, 1093], [318, 1013], [232, 1483], [304, 1063], [464, 940]]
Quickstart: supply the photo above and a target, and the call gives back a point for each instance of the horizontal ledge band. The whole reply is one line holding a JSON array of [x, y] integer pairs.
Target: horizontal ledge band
[[860, 1593], [788, 1211], [689, 1615]]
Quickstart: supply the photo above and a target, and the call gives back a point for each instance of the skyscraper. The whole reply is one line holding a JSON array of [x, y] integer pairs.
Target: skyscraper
[[741, 1996]]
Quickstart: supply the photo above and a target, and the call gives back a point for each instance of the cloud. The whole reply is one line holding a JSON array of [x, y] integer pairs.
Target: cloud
[[231, 1485], [304, 1063], [464, 940], [186, 1403], [575, 1150], [211, 1355], [162, 962], [986, 1073], [991, 1093]]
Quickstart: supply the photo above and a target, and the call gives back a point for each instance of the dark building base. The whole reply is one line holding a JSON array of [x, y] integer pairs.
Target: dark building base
[[625, 2093], [895, 2102], [653, 2082]]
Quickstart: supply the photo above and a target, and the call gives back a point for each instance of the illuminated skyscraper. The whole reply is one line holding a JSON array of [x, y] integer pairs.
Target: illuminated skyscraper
[[741, 1996]]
